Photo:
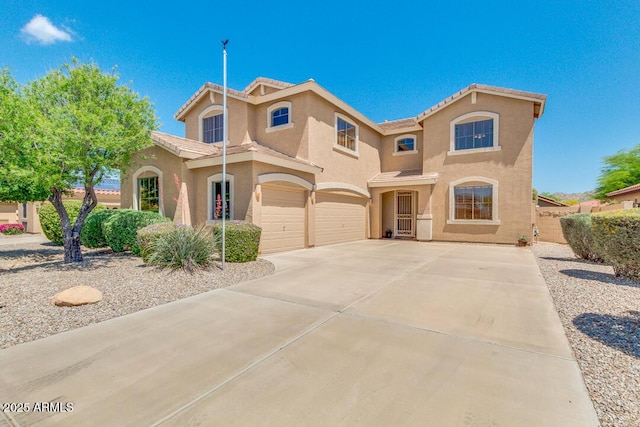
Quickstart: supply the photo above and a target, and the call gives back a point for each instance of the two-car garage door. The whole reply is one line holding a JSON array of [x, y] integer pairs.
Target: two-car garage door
[[338, 218]]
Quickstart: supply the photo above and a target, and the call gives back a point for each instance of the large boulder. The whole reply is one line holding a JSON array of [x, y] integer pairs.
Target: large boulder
[[78, 295]]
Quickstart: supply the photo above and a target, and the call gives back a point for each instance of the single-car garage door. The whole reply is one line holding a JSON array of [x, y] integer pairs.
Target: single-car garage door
[[340, 218], [283, 219]]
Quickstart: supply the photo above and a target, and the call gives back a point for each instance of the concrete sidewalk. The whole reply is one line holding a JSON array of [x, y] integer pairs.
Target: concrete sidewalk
[[372, 333]]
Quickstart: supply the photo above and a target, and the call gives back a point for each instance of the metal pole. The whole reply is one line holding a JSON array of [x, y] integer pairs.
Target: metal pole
[[224, 146]]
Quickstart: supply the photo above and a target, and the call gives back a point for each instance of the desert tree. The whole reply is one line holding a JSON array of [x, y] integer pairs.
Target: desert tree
[[619, 171], [76, 124]]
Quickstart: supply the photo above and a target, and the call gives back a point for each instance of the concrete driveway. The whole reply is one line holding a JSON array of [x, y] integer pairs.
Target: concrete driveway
[[372, 333]]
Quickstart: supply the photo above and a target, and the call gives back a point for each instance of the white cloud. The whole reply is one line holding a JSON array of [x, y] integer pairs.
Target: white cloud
[[41, 30]]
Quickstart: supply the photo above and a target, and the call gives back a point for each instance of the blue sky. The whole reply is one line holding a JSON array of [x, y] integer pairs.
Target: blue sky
[[389, 60]]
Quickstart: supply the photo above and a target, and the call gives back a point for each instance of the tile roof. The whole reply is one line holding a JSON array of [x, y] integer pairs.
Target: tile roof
[[398, 124], [97, 191], [255, 146], [186, 148], [475, 87], [629, 189], [269, 82]]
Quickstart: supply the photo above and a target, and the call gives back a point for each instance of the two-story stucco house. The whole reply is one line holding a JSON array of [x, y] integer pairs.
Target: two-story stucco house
[[311, 170]]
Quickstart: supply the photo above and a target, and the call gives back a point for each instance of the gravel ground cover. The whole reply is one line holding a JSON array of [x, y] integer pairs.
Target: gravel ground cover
[[601, 316], [32, 273]]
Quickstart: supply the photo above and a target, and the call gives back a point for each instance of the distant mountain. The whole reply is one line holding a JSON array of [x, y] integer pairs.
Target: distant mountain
[[581, 197]]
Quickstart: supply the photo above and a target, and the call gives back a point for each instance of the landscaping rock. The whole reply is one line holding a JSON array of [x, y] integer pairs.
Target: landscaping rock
[[78, 295]]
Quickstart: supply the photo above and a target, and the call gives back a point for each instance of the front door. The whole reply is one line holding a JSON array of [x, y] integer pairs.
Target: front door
[[404, 214]]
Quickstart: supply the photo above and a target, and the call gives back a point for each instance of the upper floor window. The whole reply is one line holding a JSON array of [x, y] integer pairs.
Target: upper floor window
[[279, 116], [405, 144], [473, 132], [346, 134], [474, 135], [213, 128]]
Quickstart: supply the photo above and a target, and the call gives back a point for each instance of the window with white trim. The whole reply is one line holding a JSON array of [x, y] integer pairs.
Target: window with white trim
[[346, 134], [149, 194], [473, 200], [217, 201], [279, 116], [404, 144], [475, 132]]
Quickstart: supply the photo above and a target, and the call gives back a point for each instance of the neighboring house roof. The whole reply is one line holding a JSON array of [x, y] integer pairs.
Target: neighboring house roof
[[385, 128], [550, 201], [538, 99], [182, 147], [403, 178], [97, 191], [629, 189]]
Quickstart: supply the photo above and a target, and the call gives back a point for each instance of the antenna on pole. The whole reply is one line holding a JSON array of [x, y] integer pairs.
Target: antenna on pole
[[224, 145]]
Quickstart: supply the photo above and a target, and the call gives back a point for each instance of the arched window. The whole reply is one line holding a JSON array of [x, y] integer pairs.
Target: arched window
[[279, 116], [216, 200], [147, 189], [405, 144], [475, 132], [211, 124], [473, 200]]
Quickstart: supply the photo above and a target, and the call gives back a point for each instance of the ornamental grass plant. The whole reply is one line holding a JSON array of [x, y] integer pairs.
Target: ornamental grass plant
[[183, 248]]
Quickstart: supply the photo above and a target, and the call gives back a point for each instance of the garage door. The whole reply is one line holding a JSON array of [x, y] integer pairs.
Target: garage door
[[283, 219], [340, 218]]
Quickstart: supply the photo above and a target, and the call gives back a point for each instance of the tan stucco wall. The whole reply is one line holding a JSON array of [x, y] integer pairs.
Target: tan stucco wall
[[390, 162], [294, 140], [339, 166], [8, 213], [239, 123], [171, 166], [511, 167]]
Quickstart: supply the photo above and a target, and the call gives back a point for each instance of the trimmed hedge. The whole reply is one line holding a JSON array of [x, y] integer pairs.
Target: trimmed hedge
[[121, 228], [91, 235], [182, 247], [50, 220], [617, 236], [577, 232], [242, 240], [146, 236]]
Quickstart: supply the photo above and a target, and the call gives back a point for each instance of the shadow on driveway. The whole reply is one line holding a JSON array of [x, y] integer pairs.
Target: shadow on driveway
[[619, 332]]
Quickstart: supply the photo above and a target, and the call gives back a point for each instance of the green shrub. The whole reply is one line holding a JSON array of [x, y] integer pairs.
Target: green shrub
[[577, 232], [242, 240], [147, 235], [50, 220], [120, 228], [91, 235], [617, 237], [182, 247]]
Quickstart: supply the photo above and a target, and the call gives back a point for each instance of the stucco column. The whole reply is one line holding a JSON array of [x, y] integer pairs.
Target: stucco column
[[424, 217], [255, 206], [375, 209], [311, 218]]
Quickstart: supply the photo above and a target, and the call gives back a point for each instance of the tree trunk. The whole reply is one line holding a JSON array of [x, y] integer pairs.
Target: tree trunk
[[72, 250], [71, 233]]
